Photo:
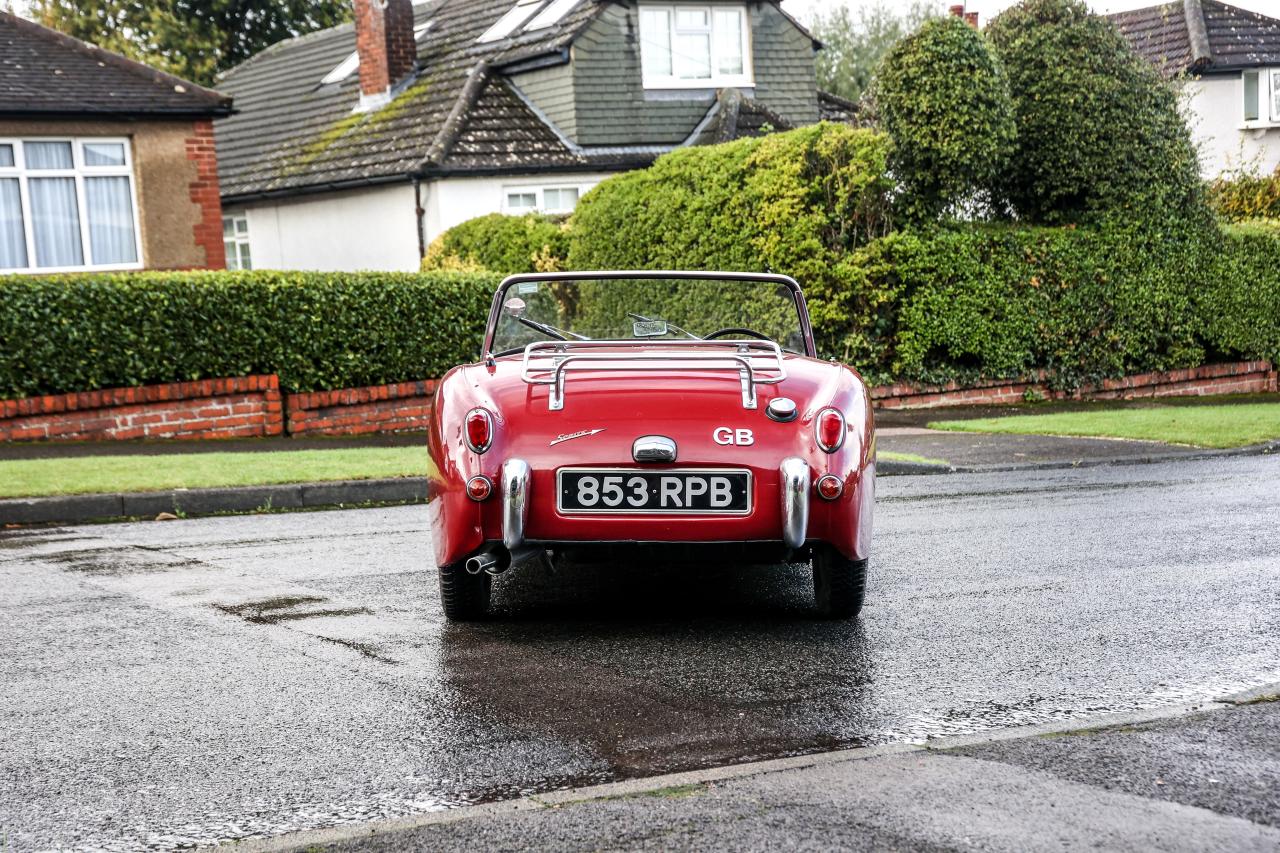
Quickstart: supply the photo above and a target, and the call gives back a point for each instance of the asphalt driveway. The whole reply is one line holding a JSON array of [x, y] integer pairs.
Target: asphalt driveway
[[184, 682]]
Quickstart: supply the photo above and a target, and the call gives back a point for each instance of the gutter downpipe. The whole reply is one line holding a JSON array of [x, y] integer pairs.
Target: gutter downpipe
[[421, 211]]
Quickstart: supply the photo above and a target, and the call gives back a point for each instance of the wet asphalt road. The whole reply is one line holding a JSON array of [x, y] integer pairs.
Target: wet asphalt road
[[183, 682]]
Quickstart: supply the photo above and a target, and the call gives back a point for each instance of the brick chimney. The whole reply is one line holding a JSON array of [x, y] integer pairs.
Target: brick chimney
[[970, 18], [384, 40]]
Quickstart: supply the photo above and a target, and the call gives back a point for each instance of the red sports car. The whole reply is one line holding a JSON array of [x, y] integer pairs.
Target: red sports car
[[664, 415]]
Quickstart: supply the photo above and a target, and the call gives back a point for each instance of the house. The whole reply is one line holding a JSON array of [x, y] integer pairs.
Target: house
[[1230, 60], [105, 164], [355, 147]]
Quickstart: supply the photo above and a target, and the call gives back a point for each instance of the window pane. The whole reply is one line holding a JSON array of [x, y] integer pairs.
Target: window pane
[[55, 222], [691, 19], [655, 38], [13, 244], [1275, 95], [1251, 96], [562, 199], [728, 36], [522, 201], [229, 248], [48, 155], [242, 225], [693, 57], [244, 257], [110, 211], [228, 226], [103, 154], [6, 156]]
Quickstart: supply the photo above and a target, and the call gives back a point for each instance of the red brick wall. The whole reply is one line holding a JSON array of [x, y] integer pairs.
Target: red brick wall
[[1250, 377], [211, 408], [404, 407], [205, 193]]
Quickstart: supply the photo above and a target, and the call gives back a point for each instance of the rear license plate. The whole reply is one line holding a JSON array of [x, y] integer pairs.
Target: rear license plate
[[628, 490]]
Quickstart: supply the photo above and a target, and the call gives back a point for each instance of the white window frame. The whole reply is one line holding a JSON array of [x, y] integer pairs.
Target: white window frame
[[79, 171], [237, 237], [745, 80], [540, 191], [1268, 98]]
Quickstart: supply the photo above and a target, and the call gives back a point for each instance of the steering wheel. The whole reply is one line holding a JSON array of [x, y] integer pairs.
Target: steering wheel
[[748, 332]]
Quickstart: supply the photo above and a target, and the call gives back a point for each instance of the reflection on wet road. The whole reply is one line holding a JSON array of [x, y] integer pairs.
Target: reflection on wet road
[[170, 683]]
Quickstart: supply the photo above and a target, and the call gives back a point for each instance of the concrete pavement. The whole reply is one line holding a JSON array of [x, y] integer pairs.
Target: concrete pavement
[[1204, 780]]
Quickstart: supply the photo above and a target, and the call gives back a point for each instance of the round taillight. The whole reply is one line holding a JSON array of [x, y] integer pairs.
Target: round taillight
[[829, 487], [479, 430], [479, 488], [830, 429]]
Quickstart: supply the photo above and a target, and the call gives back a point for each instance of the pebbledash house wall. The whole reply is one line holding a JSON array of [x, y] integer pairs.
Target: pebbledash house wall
[[254, 406], [176, 178]]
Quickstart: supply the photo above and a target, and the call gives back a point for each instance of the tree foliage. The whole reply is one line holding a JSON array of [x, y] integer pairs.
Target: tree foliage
[[942, 95], [501, 243], [194, 39], [796, 203], [1099, 133], [854, 43]]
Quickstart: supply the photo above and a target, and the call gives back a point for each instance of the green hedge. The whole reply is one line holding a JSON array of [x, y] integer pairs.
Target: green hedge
[[797, 203], [317, 330], [500, 243]]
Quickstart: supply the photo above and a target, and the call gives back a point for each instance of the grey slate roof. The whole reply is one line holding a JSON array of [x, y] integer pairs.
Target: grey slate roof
[[1201, 36], [461, 115], [43, 72]]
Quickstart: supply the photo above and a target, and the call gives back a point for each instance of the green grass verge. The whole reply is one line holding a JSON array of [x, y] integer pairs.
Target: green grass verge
[[20, 478], [1199, 426], [890, 456]]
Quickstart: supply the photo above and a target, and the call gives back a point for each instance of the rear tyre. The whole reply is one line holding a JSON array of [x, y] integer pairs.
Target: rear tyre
[[839, 584], [465, 597]]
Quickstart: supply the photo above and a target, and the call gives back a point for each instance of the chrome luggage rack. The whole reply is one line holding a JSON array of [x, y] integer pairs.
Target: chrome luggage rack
[[755, 362]]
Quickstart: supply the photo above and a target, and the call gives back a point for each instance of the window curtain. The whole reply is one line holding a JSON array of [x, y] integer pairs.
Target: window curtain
[[55, 222], [48, 155], [110, 212], [13, 242]]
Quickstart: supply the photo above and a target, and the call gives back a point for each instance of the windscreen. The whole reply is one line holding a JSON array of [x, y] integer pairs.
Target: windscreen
[[604, 309]]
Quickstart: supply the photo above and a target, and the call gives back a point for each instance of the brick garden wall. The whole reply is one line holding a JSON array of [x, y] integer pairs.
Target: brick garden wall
[[403, 407], [254, 406], [1249, 377], [212, 408]]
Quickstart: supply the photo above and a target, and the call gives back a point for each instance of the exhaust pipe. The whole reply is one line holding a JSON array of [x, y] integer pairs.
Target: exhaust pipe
[[480, 563], [498, 560]]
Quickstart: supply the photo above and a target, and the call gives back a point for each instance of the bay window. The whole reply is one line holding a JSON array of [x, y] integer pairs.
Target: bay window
[[689, 46], [67, 204]]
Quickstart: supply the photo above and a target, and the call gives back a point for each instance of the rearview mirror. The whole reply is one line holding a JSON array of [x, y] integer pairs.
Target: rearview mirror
[[515, 307]]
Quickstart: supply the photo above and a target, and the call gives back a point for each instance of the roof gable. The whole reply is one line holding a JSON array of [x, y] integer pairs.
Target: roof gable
[[292, 134], [44, 72]]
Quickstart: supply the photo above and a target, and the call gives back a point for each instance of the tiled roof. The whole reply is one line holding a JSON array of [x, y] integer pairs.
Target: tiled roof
[[460, 115], [43, 72], [832, 107], [1201, 35], [291, 133]]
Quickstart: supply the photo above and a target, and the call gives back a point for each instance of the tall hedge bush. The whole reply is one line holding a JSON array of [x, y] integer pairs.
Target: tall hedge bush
[[317, 330], [501, 243], [942, 95], [1099, 133], [796, 203]]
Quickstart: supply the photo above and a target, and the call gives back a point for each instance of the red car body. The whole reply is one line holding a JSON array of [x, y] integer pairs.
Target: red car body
[[622, 392]]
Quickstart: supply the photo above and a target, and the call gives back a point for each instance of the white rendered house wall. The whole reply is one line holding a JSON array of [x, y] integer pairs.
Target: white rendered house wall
[[1215, 115]]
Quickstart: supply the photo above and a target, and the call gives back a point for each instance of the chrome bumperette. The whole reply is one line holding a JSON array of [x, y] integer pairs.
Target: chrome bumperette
[[755, 362], [795, 501], [515, 502], [654, 448]]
